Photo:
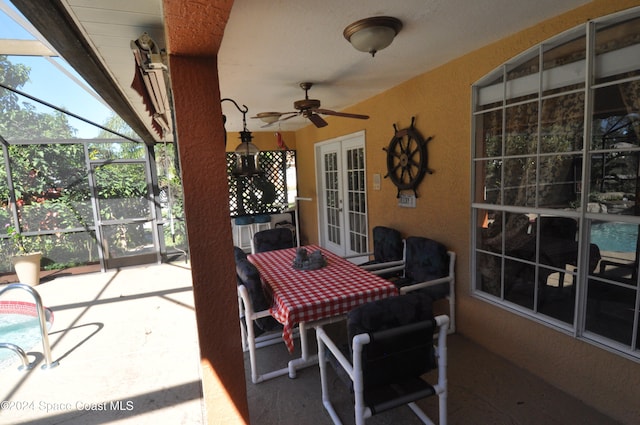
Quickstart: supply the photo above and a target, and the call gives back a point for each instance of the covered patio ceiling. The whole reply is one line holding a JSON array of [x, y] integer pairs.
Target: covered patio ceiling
[[269, 48]]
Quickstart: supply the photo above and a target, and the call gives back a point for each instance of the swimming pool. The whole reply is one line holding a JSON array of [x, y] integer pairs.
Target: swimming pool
[[613, 236], [19, 325]]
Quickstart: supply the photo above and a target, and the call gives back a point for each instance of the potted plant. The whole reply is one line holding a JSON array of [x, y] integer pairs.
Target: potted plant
[[26, 261]]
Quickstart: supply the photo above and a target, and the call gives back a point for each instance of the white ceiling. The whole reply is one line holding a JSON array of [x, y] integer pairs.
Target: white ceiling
[[270, 47]]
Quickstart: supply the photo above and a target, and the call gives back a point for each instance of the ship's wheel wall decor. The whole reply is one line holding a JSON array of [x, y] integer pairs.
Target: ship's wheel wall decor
[[407, 158]]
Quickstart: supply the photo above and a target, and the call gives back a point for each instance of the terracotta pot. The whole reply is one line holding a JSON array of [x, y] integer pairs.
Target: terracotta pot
[[27, 268]]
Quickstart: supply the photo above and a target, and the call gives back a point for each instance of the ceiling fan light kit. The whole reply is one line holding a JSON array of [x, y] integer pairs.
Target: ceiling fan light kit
[[373, 34], [268, 117], [307, 108]]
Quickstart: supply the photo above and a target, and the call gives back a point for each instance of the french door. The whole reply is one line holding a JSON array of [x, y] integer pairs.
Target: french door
[[342, 195]]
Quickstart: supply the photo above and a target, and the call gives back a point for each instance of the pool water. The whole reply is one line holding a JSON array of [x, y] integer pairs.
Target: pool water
[[22, 330], [618, 237]]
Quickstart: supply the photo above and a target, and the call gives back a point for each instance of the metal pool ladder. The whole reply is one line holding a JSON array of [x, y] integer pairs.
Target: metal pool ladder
[[46, 348]]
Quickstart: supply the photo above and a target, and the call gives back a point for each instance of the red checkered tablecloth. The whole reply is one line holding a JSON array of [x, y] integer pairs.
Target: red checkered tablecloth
[[308, 295]]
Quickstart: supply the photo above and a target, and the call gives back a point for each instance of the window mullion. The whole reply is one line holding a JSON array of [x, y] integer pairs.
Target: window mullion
[[584, 225]]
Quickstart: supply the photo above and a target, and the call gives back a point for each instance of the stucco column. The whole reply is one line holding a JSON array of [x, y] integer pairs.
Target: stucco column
[[202, 157], [194, 31]]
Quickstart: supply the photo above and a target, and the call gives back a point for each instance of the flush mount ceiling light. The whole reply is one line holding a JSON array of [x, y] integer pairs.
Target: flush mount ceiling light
[[372, 34]]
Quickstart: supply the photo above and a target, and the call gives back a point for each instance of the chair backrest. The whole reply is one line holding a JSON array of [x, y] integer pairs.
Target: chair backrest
[[425, 259], [239, 253], [249, 276], [387, 244], [272, 239], [401, 330]]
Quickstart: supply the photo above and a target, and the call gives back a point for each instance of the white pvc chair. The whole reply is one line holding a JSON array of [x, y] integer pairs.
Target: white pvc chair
[[252, 343], [387, 258], [450, 279], [258, 328], [430, 267], [381, 383]]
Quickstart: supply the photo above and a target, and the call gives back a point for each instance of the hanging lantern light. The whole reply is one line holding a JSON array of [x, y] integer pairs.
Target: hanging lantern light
[[246, 152], [246, 156]]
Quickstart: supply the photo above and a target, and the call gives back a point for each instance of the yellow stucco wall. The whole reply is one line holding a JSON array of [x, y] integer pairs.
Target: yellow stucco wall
[[441, 102]]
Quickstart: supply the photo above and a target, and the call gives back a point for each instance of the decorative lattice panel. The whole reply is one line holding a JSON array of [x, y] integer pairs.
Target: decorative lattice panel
[[262, 194]]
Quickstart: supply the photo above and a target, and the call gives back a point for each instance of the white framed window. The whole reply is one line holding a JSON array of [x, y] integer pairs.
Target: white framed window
[[556, 183]]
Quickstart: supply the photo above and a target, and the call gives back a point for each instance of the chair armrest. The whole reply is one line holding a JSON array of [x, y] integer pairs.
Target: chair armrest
[[442, 321], [363, 257], [383, 265], [426, 284], [243, 293], [450, 278], [389, 266], [323, 338], [362, 254]]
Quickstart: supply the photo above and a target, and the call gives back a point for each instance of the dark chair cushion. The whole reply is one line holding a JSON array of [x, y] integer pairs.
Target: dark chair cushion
[[387, 244], [426, 260], [249, 276], [272, 239], [389, 313], [400, 357], [239, 254]]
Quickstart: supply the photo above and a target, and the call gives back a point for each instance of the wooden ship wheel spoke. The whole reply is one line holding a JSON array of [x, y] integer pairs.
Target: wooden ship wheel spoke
[[407, 158]]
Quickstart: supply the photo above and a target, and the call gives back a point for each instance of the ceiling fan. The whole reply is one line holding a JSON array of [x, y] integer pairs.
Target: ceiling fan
[[308, 108]]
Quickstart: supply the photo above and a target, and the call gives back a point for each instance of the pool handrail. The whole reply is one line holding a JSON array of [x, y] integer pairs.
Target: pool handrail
[[46, 348], [20, 352]]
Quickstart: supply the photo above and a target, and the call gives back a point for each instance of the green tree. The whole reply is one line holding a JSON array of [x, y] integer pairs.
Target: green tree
[[50, 181], [12, 75]]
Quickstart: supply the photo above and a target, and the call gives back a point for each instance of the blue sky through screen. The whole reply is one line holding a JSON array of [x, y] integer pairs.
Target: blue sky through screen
[[53, 86]]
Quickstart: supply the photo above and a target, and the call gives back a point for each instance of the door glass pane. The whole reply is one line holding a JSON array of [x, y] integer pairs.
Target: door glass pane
[[122, 191], [356, 200], [332, 197], [127, 240]]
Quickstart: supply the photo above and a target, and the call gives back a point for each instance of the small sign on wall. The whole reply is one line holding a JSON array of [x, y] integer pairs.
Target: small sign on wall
[[407, 200]]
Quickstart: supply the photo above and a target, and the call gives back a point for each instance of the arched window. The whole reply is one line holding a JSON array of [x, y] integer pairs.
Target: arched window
[[556, 195]]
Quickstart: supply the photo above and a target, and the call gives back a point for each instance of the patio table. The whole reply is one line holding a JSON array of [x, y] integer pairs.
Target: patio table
[[302, 296]]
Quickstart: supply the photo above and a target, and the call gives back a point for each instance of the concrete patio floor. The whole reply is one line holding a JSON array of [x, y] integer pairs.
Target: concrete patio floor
[[127, 348]]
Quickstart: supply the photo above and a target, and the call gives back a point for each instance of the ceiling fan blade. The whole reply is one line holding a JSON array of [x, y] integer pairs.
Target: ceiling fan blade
[[267, 115], [341, 114], [273, 117], [317, 120], [292, 115]]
